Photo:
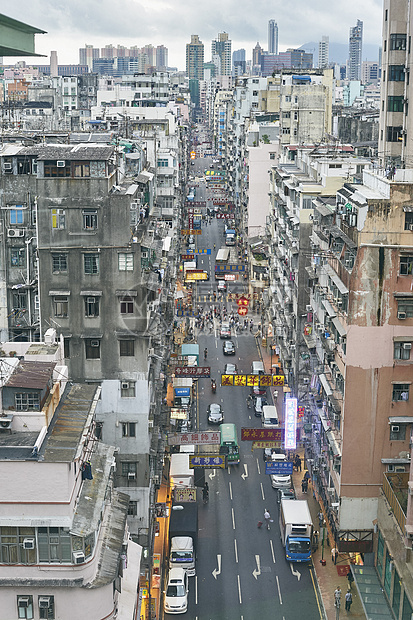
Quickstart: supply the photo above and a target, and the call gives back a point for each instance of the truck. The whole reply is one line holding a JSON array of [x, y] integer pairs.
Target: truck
[[181, 476], [296, 528], [183, 535], [230, 236]]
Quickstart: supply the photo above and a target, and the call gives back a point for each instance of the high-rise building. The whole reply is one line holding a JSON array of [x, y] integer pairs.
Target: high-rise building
[[355, 48], [53, 64], [87, 55], [238, 62], [222, 48], [272, 37], [195, 58], [256, 55], [161, 57], [323, 51]]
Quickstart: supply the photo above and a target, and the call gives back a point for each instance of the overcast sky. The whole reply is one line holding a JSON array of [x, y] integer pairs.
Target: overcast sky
[[70, 24]]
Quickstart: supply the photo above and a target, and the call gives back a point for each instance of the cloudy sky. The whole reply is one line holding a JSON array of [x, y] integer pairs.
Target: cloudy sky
[[70, 24]]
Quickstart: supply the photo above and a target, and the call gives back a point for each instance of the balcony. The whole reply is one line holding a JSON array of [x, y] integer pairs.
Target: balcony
[[395, 489]]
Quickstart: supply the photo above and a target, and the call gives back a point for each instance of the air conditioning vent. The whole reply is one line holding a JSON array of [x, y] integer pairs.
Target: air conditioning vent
[[15, 232], [94, 343], [78, 557], [61, 164], [7, 166], [308, 308], [125, 385], [151, 352], [131, 475], [5, 422], [407, 345], [395, 428], [23, 601], [399, 469], [306, 380], [28, 543], [44, 601], [401, 316]]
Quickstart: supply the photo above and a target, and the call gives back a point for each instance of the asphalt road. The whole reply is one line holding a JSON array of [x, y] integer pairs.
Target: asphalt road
[[241, 569]]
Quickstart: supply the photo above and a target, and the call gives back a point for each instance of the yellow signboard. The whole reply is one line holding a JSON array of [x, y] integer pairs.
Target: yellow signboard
[[196, 276], [253, 380]]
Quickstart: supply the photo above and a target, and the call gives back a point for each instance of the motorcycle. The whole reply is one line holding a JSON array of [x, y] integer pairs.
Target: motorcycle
[[213, 386]]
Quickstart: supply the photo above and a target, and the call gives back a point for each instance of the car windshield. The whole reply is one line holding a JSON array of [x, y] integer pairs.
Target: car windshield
[[175, 590], [181, 555], [298, 546], [215, 408]]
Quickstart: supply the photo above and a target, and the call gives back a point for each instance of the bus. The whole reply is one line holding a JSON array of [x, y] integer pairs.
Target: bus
[[229, 443], [221, 258]]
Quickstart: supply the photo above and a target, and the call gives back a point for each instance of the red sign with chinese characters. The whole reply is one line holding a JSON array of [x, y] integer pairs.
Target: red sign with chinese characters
[[242, 310], [243, 301], [193, 371], [261, 434]]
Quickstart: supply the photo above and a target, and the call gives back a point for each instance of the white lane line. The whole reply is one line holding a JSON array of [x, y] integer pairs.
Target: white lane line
[[230, 490], [262, 491], [258, 466], [279, 591], [239, 590], [196, 590], [229, 471], [233, 519], [236, 550], [272, 551]]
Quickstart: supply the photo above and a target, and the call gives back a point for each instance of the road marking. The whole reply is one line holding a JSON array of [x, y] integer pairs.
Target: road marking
[[196, 590], [296, 573], [245, 474], [272, 551], [258, 466], [230, 490], [236, 550], [212, 474], [316, 594], [233, 519], [262, 491], [279, 591], [217, 571], [257, 571], [239, 590]]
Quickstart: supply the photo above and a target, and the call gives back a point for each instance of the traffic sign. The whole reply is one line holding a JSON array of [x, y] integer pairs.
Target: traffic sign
[[279, 467], [207, 460], [261, 434]]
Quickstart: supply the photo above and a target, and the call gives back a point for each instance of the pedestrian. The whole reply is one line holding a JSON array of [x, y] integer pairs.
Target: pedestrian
[[315, 538], [320, 519], [275, 395], [334, 554], [349, 600], [337, 597], [298, 462], [267, 518], [304, 485], [350, 578]]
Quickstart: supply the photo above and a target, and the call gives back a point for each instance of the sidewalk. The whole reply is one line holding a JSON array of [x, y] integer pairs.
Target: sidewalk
[[328, 574]]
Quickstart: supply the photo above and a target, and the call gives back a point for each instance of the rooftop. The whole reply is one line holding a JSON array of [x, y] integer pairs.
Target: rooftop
[[32, 375]]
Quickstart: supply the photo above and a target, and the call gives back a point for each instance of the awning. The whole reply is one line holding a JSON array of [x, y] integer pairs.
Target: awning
[[91, 293], [329, 308], [334, 277], [326, 386], [323, 210], [341, 330], [401, 419], [310, 341]]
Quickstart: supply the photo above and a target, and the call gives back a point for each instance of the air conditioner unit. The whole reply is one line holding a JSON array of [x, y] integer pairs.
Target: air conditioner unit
[[7, 166], [44, 601], [94, 343], [399, 469], [125, 385], [23, 601], [306, 380], [131, 475], [61, 164], [151, 352], [308, 308], [28, 543], [401, 316], [78, 557], [395, 428], [5, 422], [15, 232], [407, 345], [150, 423]]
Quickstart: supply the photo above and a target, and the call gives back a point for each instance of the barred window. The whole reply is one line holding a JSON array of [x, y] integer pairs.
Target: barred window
[[91, 264], [59, 263], [125, 261], [27, 401]]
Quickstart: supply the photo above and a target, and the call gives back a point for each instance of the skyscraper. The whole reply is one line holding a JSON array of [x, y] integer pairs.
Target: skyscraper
[[272, 37], [222, 48], [355, 47], [238, 62], [161, 57], [323, 46], [195, 58], [87, 55]]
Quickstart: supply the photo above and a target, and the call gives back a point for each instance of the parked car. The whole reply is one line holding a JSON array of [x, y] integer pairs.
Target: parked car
[[176, 596], [222, 285], [225, 331], [285, 494], [259, 402], [215, 414], [228, 348], [230, 369]]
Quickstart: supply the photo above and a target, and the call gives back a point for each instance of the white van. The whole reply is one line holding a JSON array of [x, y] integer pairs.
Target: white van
[[270, 417], [257, 368]]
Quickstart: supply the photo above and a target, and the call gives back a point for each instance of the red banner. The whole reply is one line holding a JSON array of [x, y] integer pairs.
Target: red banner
[[261, 434]]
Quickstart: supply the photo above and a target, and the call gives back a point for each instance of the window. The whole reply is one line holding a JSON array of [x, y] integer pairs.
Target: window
[[46, 607], [397, 432], [19, 301], [406, 265], [272, 155], [126, 348], [162, 163], [128, 429], [400, 391], [61, 306], [55, 544], [408, 220], [81, 169], [27, 401], [127, 389], [395, 104], [91, 264], [125, 261], [16, 215], [405, 305], [394, 133], [396, 73], [128, 468], [66, 348], [58, 218], [92, 348], [90, 219], [91, 307], [398, 42], [25, 606], [59, 263], [126, 305], [402, 350], [18, 257], [132, 508]]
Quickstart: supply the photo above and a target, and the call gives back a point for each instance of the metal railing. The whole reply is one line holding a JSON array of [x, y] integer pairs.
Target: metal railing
[[390, 483]]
